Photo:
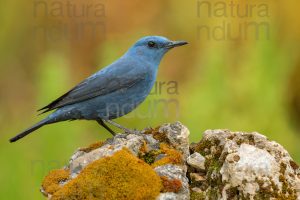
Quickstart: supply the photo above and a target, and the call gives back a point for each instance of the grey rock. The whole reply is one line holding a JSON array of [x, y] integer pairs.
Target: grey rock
[[152, 143], [175, 172], [195, 177], [168, 196], [176, 133], [196, 160], [247, 164], [160, 156], [223, 165], [252, 164], [81, 159], [178, 136]]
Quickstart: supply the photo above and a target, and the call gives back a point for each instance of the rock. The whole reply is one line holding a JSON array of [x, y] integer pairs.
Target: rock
[[195, 177], [177, 173], [246, 166], [242, 165], [177, 135], [126, 165], [197, 161], [81, 159], [109, 178], [157, 164]]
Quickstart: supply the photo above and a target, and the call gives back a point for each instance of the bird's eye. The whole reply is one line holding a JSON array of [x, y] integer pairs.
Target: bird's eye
[[151, 44]]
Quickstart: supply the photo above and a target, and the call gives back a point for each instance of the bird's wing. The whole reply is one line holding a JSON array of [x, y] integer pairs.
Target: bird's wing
[[106, 81]]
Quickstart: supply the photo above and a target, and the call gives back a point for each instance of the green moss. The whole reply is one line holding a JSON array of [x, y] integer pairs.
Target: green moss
[[273, 192], [149, 157], [203, 147], [121, 176], [212, 193], [197, 195], [213, 163]]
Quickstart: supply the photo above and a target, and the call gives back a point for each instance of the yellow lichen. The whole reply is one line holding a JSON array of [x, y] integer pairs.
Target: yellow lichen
[[51, 182], [92, 147], [121, 176], [172, 156]]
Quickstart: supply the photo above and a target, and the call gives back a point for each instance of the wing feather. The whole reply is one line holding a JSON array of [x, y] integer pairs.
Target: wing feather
[[106, 81]]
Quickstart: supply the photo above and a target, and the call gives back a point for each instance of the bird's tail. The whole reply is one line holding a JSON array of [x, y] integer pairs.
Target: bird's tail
[[29, 130]]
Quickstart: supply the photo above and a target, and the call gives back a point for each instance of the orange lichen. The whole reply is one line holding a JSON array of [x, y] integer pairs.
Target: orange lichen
[[121, 176], [92, 147], [143, 148], [51, 182], [172, 156], [151, 130], [171, 185], [160, 136]]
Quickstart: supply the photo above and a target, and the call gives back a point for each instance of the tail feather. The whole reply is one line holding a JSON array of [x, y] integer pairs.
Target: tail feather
[[29, 130]]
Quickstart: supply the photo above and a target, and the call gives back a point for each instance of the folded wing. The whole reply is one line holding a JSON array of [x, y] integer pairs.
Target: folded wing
[[107, 81]]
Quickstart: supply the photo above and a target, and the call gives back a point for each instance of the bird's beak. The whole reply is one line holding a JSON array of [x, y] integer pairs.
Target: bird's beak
[[176, 44]]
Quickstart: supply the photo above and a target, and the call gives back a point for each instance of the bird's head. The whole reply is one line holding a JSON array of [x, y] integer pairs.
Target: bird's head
[[153, 48]]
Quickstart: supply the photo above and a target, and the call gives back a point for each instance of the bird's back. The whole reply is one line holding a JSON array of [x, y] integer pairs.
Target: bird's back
[[111, 92]]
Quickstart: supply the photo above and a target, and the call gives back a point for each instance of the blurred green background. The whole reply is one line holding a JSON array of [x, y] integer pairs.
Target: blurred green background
[[240, 71]]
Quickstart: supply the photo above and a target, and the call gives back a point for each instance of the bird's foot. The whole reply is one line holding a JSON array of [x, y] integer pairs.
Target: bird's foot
[[126, 130], [132, 131]]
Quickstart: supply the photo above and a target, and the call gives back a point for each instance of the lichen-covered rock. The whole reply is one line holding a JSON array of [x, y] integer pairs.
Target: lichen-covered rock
[[177, 135], [243, 166], [174, 172], [160, 164], [141, 165], [111, 178], [81, 159]]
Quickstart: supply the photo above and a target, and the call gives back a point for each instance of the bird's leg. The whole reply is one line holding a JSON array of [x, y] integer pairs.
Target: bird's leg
[[101, 122], [119, 126]]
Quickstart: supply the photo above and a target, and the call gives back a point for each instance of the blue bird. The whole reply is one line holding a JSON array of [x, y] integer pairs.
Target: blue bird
[[113, 91]]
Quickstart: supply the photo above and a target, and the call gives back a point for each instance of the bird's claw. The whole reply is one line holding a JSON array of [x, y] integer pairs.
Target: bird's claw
[[132, 131]]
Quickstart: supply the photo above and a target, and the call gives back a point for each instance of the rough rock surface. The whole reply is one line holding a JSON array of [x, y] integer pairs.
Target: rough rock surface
[[161, 163], [165, 149], [197, 161], [243, 166]]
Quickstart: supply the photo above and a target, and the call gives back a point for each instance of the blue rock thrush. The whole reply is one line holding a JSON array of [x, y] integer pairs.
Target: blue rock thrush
[[113, 91]]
